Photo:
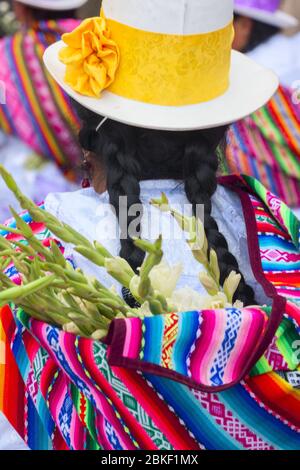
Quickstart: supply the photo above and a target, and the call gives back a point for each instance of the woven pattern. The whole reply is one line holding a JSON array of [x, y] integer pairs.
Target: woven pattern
[[209, 347], [279, 239]]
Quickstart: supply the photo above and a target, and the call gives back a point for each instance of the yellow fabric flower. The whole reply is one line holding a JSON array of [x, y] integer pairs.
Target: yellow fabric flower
[[91, 56]]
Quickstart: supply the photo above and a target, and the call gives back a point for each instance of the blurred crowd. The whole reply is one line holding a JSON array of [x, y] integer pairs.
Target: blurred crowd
[[38, 127]]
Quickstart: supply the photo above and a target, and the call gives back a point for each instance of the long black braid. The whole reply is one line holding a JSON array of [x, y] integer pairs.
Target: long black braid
[[133, 154], [200, 170]]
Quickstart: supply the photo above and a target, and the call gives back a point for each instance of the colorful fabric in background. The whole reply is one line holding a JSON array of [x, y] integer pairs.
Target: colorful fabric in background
[[266, 145], [68, 394], [36, 110]]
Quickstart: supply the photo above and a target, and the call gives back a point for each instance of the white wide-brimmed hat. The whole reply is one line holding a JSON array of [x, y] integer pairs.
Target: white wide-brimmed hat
[[265, 11], [54, 4], [164, 64]]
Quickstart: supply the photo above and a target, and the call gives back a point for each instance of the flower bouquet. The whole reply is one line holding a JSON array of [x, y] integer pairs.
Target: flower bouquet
[[54, 291], [91, 366]]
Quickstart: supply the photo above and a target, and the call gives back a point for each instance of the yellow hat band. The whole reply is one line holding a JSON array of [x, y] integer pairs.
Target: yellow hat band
[[161, 69], [171, 70]]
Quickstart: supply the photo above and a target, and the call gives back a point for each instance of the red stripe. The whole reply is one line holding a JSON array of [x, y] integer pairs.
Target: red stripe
[[272, 391], [158, 411], [266, 228], [139, 434], [286, 97], [14, 388], [274, 115]]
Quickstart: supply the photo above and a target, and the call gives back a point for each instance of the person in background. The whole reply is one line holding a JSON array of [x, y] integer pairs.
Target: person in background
[[259, 32], [163, 138], [267, 144], [38, 128]]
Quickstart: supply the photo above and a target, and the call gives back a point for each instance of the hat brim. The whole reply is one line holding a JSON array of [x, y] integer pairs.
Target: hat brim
[[251, 86], [279, 18], [50, 5]]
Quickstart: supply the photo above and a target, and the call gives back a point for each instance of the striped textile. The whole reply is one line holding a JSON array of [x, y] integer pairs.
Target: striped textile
[[266, 145], [36, 110], [209, 347], [86, 402]]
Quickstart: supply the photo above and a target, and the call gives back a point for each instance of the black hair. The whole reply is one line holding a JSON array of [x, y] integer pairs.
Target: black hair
[[132, 154], [261, 32], [40, 14]]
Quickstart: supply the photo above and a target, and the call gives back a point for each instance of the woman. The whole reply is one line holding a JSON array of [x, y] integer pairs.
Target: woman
[[162, 135], [266, 144]]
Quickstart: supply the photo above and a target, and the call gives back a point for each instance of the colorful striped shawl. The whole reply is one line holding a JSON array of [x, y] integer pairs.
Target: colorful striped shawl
[[36, 109], [266, 145], [78, 399]]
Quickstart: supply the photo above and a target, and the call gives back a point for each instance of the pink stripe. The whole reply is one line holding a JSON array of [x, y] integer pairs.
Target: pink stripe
[[140, 435], [293, 311], [132, 342], [210, 341], [57, 398], [66, 342], [101, 432], [68, 347], [250, 331], [289, 294]]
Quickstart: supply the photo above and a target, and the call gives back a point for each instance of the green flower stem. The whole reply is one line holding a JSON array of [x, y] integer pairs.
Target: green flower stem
[[19, 292], [197, 242], [15, 231]]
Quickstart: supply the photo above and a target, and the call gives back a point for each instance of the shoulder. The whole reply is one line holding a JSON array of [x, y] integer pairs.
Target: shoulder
[[228, 212], [85, 210], [74, 201]]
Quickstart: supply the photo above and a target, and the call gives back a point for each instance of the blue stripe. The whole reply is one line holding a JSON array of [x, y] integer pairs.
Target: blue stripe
[[187, 330], [261, 422], [38, 438], [153, 339], [197, 419]]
